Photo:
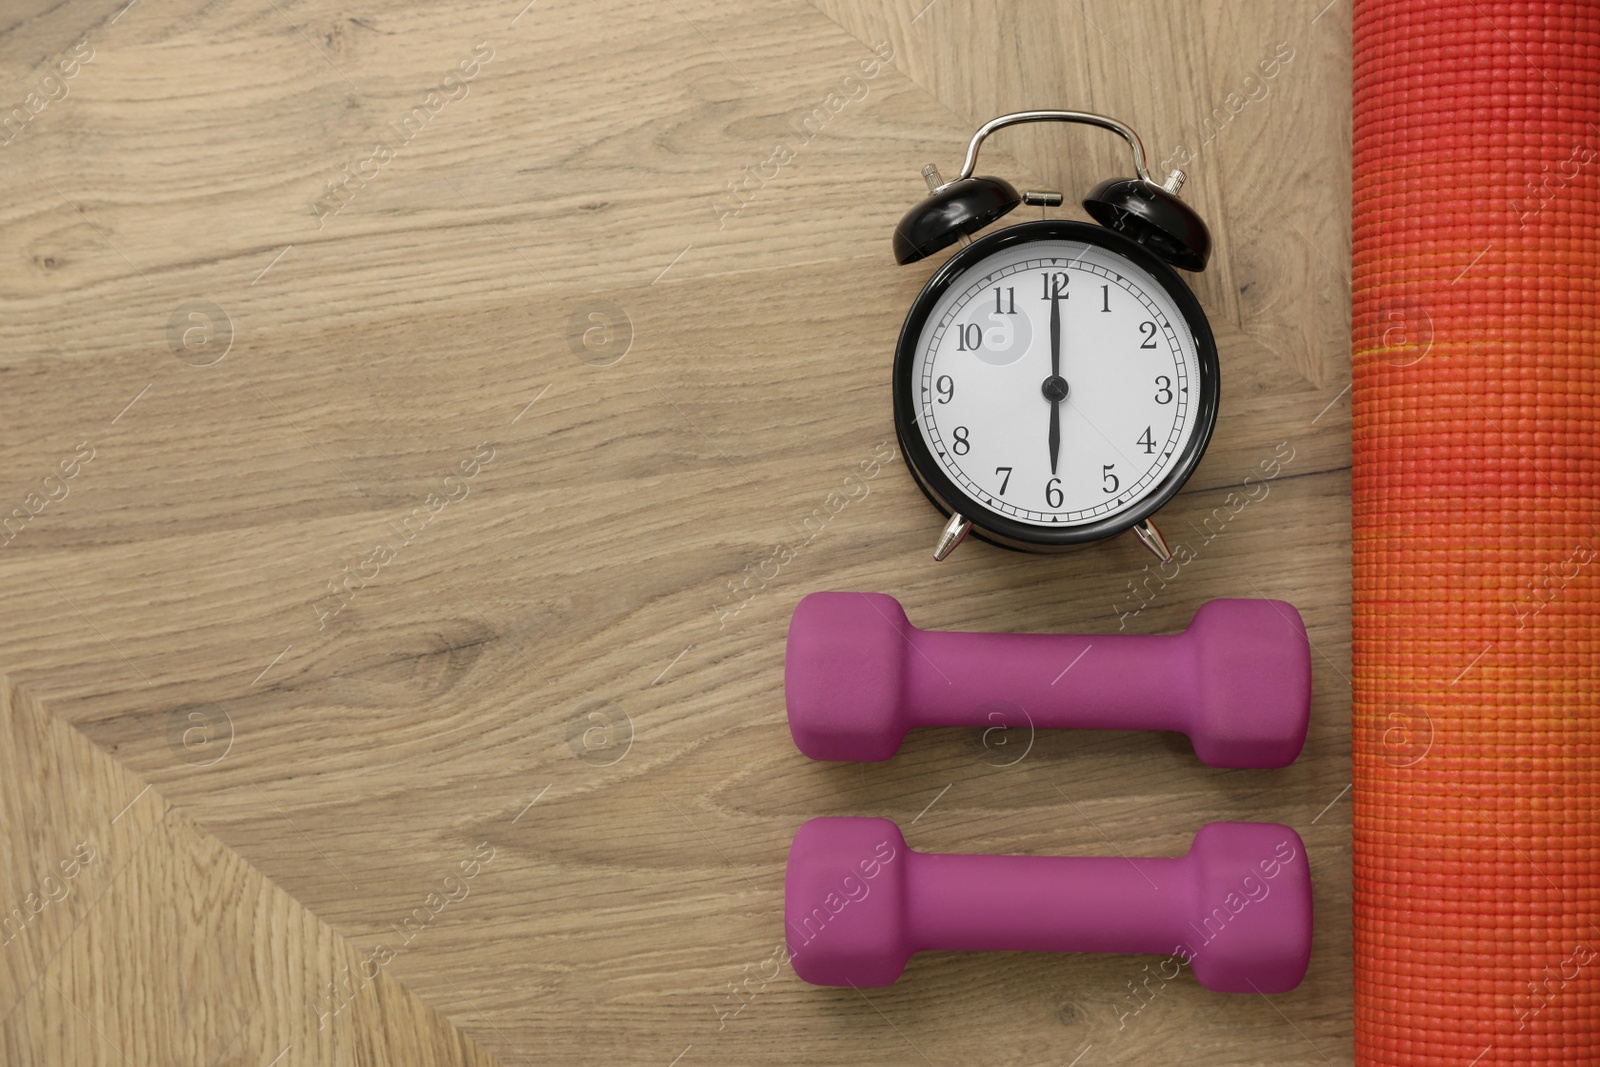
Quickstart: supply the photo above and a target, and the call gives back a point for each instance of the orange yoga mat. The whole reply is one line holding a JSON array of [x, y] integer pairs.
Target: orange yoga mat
[[1477, 556]]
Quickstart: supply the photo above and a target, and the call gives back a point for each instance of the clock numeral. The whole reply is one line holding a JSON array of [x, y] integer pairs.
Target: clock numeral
[[1107, 476], [946, 386], [1149, 331], [1105, 298], [1163, 389], [961, 446], [969, 338], [1011, 301], [1006, 480], [1148, 442], [1055, 285], [1052, 492]]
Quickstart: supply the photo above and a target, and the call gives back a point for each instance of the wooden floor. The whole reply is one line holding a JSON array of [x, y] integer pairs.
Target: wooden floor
[[406, 434]]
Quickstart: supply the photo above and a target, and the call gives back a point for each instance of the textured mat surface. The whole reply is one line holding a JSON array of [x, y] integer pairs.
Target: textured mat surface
[[1476, 615]]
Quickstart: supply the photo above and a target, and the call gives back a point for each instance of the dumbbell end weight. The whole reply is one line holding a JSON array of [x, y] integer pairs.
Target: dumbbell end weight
[[1250, 927], [841, 677], [1253, 683], [844, 899]]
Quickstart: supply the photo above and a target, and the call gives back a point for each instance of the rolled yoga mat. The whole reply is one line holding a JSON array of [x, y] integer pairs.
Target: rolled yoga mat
[[1477, 558]]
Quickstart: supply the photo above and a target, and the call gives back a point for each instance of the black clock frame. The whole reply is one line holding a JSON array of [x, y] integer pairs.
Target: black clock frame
[[1002, 530]]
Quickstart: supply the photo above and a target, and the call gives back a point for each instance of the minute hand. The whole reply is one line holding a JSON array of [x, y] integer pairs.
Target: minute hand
[[1055, 372]]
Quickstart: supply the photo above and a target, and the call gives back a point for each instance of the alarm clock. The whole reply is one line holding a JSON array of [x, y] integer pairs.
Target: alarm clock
[[1055, 382]]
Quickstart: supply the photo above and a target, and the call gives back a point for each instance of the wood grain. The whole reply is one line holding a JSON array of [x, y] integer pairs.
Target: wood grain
[[573, 664]]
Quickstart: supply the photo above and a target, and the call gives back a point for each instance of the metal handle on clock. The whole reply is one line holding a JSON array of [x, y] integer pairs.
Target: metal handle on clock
[[1173, 183], [1088, 118]]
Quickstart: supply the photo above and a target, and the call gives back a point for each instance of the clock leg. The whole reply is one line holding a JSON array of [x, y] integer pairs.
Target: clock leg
[[1151, 538], [954, 531]]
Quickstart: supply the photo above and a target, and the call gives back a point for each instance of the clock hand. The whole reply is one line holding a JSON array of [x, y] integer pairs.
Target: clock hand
[[1055, 374], [1055, 333], [1055, 435]]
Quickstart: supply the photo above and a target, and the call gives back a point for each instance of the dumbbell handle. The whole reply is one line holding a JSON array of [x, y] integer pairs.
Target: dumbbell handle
[[1102, 682], [1046, 903]]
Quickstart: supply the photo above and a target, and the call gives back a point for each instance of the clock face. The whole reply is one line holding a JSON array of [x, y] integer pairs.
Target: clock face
[[1057, 383]]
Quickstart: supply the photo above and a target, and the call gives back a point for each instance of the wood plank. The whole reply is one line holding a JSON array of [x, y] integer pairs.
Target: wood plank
[[146, 940]]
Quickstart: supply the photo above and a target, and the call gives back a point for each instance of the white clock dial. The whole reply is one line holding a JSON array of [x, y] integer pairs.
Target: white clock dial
[[1066, 437]]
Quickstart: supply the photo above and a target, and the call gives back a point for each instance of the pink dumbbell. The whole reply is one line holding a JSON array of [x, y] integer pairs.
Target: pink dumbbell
[[858, 903], [858, 675]]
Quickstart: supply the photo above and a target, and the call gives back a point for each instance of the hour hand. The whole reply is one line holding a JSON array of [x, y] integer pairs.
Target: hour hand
[[1055, 436], [1055, 390]]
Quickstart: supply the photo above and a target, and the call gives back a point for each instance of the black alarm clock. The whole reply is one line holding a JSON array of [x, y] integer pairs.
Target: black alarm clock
[[1055, 382]]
